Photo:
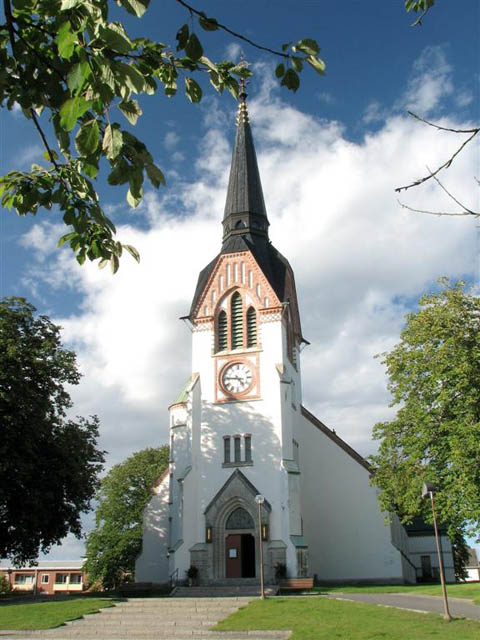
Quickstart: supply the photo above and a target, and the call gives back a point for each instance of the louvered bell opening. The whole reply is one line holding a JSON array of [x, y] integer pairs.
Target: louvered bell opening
[[222, 339], [251, 328], [237, 322]]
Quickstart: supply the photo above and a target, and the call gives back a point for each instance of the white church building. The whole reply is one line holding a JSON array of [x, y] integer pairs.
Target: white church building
[[238, 429]]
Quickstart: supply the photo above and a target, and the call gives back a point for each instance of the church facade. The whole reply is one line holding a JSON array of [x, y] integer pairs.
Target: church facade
[[238, 430]]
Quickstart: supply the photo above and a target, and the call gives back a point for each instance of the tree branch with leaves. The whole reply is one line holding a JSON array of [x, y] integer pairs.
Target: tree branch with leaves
[[73, 70]]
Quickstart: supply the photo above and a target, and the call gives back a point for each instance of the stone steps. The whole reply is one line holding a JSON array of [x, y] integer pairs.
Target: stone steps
[[251, 591], [156, 618]]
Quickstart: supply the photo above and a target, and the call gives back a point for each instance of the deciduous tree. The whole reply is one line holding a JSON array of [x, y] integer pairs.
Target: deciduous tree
[[434, 377], [116, 541], [48, 464], [70, 67]]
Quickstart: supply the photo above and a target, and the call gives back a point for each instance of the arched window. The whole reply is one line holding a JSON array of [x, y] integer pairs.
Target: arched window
[[222, 340], [237, 321], [251, 327], [239, 519]]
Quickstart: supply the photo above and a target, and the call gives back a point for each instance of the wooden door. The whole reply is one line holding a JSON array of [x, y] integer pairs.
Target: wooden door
[[233, 561]]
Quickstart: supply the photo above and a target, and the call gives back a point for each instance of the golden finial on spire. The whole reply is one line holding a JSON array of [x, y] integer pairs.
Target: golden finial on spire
[[242, 115]]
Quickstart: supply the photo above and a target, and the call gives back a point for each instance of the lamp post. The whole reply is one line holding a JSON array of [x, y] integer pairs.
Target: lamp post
[[260, 500], [429, 490]]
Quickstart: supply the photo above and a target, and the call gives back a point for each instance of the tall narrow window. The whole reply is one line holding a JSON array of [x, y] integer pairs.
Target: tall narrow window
[[237, 321], [236, 451], [222, 339], [226, 449], [251, 328], [248, 448]]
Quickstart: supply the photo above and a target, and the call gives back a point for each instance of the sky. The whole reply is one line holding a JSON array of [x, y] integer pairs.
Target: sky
[[330, 158]]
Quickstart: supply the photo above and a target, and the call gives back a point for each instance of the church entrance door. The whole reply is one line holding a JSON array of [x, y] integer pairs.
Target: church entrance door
[[240, 560]]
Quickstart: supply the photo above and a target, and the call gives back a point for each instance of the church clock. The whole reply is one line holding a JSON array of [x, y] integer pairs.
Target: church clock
[[236, 378]]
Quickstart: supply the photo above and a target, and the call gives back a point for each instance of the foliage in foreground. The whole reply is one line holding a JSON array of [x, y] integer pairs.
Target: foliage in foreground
[[434, 376], [116, 541], [322, 619], [45, 615], [74, 70], [49, 465]]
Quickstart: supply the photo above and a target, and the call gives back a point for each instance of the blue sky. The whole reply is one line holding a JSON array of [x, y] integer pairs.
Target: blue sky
[[330, 157]]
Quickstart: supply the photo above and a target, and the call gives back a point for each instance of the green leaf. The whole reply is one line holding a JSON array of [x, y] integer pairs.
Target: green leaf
[[285, 46], [47, 157], [112, 142], [135, 7], [182, 37], [71, 110], [193, 90], [208, 24], [155, 175], [297, 63], [280, 70], [193, 48], [308, 46], [77, 76], [291, 80], [115, 37], [318, 64], [69, 4], [130, 110], [134, 200], [132, 251], [114, 264], [87, 138], [65, 41], [133, 78], [119, 172]]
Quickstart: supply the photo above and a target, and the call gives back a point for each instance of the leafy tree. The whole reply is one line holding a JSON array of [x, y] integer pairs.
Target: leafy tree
[[48, 464], [64, 62], [434, 375], [116, 541]]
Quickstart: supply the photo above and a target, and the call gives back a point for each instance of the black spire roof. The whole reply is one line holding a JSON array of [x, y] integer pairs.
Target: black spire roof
[[245, 223], [245, 213]]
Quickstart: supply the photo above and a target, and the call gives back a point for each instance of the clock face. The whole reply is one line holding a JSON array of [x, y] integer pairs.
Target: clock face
[[237, 377]]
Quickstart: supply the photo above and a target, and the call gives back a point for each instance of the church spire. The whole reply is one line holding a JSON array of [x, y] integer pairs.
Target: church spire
[[245, 213]]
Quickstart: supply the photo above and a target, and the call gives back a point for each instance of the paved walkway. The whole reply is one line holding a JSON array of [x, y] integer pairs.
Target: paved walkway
[[149, 618], [459, 608]]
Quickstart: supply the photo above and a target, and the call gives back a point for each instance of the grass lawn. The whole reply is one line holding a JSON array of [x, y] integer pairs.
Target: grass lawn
[[468, 590], [44, 615], [322, 619]]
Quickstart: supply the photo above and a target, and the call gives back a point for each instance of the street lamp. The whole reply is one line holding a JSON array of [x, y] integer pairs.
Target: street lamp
[[428, 490], [260, 500]]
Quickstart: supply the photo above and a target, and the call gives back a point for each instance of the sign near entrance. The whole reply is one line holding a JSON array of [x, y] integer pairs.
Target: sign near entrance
[[232, 553]]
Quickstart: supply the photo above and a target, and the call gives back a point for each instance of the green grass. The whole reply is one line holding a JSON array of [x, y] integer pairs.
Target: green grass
[[45, 615], [470, 591], [323, 619]]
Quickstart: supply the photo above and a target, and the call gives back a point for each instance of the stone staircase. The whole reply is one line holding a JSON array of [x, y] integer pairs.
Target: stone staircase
[[223, 591], [159, 618]]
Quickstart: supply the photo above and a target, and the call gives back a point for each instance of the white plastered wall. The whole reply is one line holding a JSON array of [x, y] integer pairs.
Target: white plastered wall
[[345, 530], [152, 563]]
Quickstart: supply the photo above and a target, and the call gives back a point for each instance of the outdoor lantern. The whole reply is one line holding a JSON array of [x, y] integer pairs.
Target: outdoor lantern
[[208, 534]]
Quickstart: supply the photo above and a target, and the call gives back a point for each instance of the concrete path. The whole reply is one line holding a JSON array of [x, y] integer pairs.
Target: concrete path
[[149, 618], [459, 608]]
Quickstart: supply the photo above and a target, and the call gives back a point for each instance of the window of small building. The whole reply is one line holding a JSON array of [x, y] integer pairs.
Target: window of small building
[[45, 578], [75, 578], [23, 578], [61, 578]]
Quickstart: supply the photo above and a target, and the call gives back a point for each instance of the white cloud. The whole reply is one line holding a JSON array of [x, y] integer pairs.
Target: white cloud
[[359, 259], [233, 51], [464, 98], [430, 81], [171, 140], [29, 154], [326, 97]]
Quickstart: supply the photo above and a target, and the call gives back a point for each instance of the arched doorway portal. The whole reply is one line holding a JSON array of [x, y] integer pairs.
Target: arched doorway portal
[[239, 545]]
